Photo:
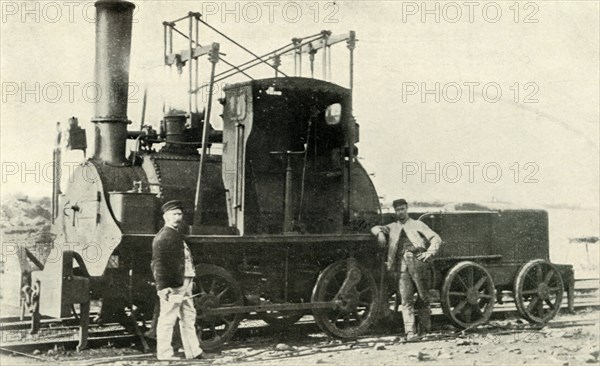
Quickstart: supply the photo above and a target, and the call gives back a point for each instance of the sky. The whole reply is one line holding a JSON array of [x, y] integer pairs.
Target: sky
[[456, 101]]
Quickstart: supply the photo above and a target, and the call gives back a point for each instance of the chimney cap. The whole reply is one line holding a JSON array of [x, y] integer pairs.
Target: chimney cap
[[115, 4]]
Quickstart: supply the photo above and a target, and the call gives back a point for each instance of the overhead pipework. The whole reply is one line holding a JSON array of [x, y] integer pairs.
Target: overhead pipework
[[113, 47]]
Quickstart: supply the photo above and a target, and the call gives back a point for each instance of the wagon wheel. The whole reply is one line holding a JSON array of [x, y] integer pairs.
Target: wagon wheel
[[354, 287], [538, 291], [217, 288], [468, 295]]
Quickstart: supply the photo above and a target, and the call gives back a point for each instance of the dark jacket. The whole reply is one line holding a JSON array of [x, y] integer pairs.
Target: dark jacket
[[168, 258]]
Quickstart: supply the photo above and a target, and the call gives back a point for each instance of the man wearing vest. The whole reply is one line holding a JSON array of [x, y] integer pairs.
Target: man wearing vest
[[411, 244], [174, 274]]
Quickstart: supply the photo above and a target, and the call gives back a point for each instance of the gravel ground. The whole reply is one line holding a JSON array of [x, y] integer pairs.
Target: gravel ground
[[567, 340]]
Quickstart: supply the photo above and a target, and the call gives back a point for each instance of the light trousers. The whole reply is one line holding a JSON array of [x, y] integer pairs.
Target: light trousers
[[169, 313], [415, 275]]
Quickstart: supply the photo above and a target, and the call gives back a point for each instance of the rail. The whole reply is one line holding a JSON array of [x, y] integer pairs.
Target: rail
[[252, 330]]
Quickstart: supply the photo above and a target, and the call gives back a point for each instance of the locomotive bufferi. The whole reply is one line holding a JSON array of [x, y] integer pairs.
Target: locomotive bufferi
[[280, 215]]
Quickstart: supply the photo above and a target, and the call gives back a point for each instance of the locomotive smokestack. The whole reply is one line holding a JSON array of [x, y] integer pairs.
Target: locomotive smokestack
[[113, 46]]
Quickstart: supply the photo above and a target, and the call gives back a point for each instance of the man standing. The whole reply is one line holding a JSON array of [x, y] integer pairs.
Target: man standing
[[174, 274], [411, 244]]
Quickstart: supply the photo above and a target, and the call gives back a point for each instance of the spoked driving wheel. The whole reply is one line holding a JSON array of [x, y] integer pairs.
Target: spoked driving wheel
[[355, 290], [468, 295], [216, 288], [538, 291]]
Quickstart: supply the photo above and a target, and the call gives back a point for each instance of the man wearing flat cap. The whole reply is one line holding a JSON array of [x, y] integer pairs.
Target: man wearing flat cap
[[174, 274], [410, 246]]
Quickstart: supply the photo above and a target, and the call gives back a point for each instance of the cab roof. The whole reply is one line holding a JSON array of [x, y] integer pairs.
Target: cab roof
[[291, 83]]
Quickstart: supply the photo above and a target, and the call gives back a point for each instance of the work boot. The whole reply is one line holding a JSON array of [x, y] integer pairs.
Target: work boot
[[205, 356], [410, 336], [424, 321]]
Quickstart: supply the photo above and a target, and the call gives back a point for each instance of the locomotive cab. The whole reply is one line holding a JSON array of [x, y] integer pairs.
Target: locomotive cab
[[287, 164]]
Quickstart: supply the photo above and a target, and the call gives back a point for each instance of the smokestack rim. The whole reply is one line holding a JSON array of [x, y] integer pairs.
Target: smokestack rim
[[114, 4], [111, 119]]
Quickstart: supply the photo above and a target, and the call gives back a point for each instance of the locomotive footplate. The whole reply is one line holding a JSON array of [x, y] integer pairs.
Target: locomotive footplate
[[265, 239]]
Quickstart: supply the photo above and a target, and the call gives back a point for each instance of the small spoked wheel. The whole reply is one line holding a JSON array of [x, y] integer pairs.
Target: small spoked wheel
[[354, 288], [216, 288], [538, 291], [468, 295]]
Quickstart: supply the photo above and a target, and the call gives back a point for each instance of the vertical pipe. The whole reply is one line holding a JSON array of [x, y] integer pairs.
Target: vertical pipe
[[351, 70], [143, 119], [239, 175], [294, 42], [113, 47], [312, 62], [165, 40], [325, 38], [287, 276], [296, 62], [190, 90], [196, 61], [329, 62], [300, 62], [171, 38], [351, 126], [214, 58], [351, 44], [54, 190], [297, 56], [288, 218], [56, 173], [276, 63]]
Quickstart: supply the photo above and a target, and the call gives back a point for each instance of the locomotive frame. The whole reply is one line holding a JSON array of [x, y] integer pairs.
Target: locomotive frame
[[280, 218]]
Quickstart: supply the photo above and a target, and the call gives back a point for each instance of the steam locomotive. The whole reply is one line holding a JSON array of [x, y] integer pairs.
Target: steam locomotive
[[279, 219]]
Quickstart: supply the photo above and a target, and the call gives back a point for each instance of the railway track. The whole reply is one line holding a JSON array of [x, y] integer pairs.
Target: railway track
[[63, 332], [15, 323], [250, 336], [586, 295]]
